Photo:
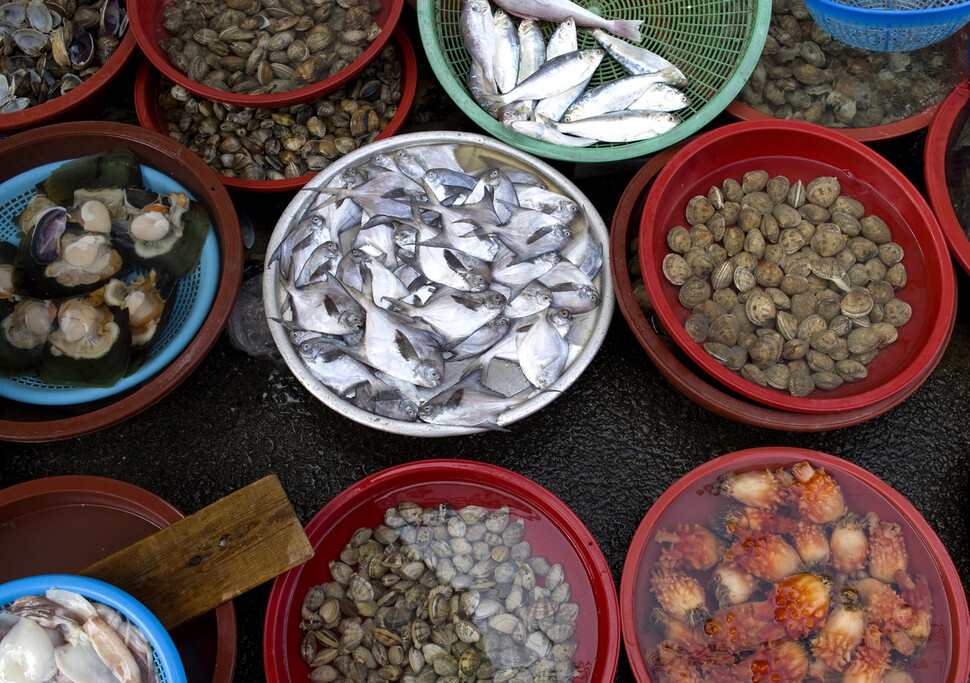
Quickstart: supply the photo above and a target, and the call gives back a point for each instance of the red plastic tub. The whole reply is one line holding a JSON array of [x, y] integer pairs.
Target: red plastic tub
[[551, 527], [678, 369], [804, 151], [940, 139], [151, 116], [146, 24], [695, 497]]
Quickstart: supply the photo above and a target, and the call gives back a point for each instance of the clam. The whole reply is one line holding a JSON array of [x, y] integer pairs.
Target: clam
[[31, 41]]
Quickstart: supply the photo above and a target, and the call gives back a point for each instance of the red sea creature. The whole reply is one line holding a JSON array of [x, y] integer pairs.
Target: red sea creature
[[917, 595], [841, 633], [740, 520], [868, 666], [755, 488], [743, 626], [801, 603], [678, 670], [679, 595], [887, 549], [783, 661], [850, 545], [816, 494], [812, 543], [766, 556], [731, 584], [889, 612], [688, 544]]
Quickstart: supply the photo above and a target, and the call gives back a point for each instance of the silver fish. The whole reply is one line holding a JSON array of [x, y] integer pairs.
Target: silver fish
[[392, 405], [638, 60], [539, 241], [535, 297], [323, 258], [450, 267], [372, 195], [292, 252], [478, 34], [554, 77], [506, 57], [545, 132], [611, 96], [542, 352], [479, 340], [468, 404], [660, 97], [520, 110], [558, 10], [479, 88], [335, 368], [624, 126], [323, 306], [563, 39], [585, 253], [378, 242], [410, 164], [453, 314], [508, 271], [524, 222], [552, 108], [443, 182], [392, 344], [532, 48]]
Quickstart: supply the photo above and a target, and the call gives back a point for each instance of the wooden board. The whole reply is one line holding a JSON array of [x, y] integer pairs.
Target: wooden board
[[207, 558]]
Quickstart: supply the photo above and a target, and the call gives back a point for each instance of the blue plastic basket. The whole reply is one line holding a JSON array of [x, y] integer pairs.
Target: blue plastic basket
[[890, 25], [195, 295], [168, 664]]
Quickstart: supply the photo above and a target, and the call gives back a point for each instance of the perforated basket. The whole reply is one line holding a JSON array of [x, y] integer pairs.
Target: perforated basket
[[890, 25], [716, 43], [194, 298], [168, 664]]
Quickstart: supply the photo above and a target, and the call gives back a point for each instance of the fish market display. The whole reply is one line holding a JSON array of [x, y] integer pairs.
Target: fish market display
[[259, 48], [287, 142], [63, 636], [541, 89], [791, 578], [438, 594], [791, 284], [439, 283], [88, 290], [804, 74], [50, 48]]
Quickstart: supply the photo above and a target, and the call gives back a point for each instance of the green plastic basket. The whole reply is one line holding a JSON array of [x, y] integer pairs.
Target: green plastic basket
[[716, 43]]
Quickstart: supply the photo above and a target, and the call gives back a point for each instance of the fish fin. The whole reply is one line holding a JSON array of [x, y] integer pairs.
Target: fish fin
[[468, 302], [455, 399], [627, 28], [404, 346], [453, 261], [399, 303], [538, 235], [564, 287], [288, 324], [330, 306]]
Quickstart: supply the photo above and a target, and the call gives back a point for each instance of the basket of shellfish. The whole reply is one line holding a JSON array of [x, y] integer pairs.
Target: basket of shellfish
[[805, 74], [796, 267], [58, 59], [99, 633], [263, 54], [117, 274], [946, 159], [263, 149], [461, 570], [790, 564]]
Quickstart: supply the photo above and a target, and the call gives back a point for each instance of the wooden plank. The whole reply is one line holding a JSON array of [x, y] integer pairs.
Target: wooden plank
[[210, 557]]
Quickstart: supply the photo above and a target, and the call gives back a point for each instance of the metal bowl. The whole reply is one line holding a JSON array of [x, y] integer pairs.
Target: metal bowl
[[596, 322]]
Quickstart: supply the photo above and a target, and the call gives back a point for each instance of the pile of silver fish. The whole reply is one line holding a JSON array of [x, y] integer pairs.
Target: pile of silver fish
[[419, 288], [540, 88], [50, 48], [62, 636]]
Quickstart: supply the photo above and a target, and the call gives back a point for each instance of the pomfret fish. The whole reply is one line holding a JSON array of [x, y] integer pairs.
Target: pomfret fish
[[480, 340], [535, 297], [392, 405], [585, 253], [324, 258], [660, 97], [611, 96], [505, 61], [439, 180], [372, 195], [638, 60], [540, 199], [532, 48], [545, 132], [563, 39], [478, 33], [558, 10], [323, 306], [378, 242], [554, 77], [624, 126], [450, 267], [332, 366], [542, 352], [508, 271], [468, 404], [292, 251], [523, 223], [454, 314], [539, 241]]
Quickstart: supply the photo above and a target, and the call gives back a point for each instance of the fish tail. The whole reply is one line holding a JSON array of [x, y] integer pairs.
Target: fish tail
[[627, 28]]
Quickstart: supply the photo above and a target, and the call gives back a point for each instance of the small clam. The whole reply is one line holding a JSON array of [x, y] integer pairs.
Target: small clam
[[699, 209]]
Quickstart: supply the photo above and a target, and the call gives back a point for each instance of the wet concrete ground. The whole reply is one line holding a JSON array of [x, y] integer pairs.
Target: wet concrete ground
[[608, 447]]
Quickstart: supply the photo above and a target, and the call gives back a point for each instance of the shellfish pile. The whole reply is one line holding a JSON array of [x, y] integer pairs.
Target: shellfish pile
[[87, 292], [261, 47], [435, 595], [49, 48], [793, 285], [287, 142], [786, 583], [804, 74]]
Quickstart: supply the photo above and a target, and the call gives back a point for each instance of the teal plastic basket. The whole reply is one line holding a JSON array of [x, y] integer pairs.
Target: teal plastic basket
[[890, 25], [196, 292], [168, 664]]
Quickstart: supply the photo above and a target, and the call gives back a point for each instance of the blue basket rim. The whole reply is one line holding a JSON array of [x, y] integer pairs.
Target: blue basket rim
[[908, 13], [132, 609], [209, 267]]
